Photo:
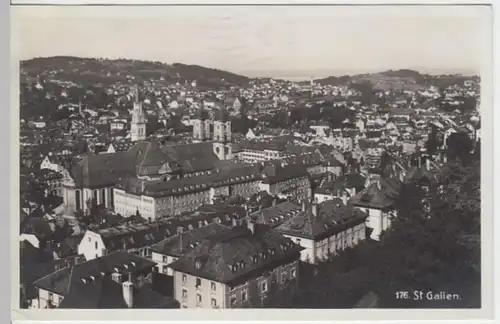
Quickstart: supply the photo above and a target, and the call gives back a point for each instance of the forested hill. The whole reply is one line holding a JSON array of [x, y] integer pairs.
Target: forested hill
[[108, 71], [404, 78]]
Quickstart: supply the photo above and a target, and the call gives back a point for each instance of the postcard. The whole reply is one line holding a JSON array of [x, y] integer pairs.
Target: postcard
[[207, 161]]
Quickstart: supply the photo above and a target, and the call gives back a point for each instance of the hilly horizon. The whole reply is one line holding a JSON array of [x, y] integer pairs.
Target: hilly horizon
[[93, 68]]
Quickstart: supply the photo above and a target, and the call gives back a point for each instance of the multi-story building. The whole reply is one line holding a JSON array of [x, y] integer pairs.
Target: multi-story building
[[155, 198], [321, 229], [235, 269], [261, 151], [292, 180]]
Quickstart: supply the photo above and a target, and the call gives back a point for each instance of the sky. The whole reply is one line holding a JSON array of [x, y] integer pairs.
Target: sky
[[285, 41]]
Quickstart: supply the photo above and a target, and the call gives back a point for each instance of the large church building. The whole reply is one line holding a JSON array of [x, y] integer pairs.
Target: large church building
[[148, 164]]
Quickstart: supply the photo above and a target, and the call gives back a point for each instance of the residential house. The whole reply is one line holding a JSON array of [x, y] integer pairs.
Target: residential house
[[324, 230], [235, 269]]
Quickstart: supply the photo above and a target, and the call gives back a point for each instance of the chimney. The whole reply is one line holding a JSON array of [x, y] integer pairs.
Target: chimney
[[211, 196], [128, 293], [303, 205], [116, 277], [344, 198], [314, 209]]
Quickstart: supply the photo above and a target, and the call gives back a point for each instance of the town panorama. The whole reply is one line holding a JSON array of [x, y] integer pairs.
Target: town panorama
[[153, 185]]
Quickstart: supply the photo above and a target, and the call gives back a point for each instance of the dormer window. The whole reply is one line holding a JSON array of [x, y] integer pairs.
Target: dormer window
[[272, 251], [197, 264], [255, 259]]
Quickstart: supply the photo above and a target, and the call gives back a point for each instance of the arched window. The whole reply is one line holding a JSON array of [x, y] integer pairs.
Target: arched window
[[103, 197], [78, 200]]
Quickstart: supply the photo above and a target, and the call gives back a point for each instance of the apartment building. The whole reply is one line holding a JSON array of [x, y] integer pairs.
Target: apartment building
[[235, 269]]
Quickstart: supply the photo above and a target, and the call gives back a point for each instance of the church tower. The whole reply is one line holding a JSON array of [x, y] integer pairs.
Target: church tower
[[201, 126], [222, 136], [138, 125]]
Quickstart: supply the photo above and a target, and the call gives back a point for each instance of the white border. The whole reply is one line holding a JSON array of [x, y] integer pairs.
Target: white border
[[271, 315]]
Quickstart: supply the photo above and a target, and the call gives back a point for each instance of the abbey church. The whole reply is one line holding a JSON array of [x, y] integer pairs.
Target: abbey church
[[157, 180]]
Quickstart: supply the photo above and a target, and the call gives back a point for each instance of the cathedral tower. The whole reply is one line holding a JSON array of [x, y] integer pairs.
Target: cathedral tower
[[201, 126], [138, 125], [222, 136]]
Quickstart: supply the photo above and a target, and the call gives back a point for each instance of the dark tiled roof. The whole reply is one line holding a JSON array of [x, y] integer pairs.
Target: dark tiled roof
[[275, 174], [64, 280], [133, 236], [182, 243], [146, 157], [191, 184], [326, 222], [378, 195], [104, 170], [276, 215], [104, 293], [194, 157], [238, 255]]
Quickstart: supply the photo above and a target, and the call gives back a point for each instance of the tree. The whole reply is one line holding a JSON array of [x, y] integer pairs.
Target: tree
[[433, 244], [459, 146]]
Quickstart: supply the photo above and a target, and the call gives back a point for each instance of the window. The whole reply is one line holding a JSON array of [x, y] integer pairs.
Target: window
[[213, 286], [283, 277], [214, 302], [198, 299], [96, 245], [184, 279], [293, 273], [233, 300], [90, 239], [244, 295], [184, 294], [51, 296], [198, 282], [264, 286]]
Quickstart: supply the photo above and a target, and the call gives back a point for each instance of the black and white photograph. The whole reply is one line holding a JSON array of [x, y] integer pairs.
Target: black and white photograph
[[241, 157]]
